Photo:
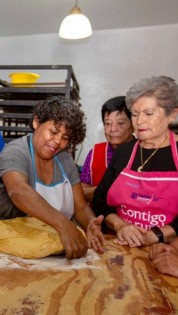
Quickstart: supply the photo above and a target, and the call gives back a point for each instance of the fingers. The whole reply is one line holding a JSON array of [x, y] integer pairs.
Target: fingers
[[96, 222], [96, 245], [101, 237], [136, 240], [100, 218], [75, 244], [76, 250], [142, 230], [132, 235], [162, 262], [157, 249], [96, 240], [94, 235], [123, 243], [167, 262]]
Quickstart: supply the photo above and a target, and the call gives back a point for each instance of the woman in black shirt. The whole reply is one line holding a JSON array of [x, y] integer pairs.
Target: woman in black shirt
[[138, 193]]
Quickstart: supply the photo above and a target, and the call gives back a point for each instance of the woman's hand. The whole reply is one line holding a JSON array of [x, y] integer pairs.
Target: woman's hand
[[165, 258], [95, 236], [75, 244], [157, 249], [131, 235], [150, 238]]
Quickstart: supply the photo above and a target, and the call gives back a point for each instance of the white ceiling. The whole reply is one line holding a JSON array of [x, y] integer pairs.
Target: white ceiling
[[23, 17]]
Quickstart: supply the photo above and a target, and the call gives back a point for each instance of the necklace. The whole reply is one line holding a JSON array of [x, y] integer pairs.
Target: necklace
[[140, 168]]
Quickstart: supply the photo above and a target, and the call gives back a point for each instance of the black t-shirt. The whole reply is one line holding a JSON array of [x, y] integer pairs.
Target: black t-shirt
[[162, 160]]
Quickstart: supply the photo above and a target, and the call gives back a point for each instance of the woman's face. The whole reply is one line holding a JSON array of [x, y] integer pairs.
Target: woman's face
[[49, 139], [117, 128], [149, 120]]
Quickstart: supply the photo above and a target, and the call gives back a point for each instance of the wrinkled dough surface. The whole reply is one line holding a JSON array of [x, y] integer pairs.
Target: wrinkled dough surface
[[29, 238]]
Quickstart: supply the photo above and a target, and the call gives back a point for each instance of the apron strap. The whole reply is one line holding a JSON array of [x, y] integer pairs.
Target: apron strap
[[33, 159], [98, 163], [174, 148], [129, 164], [64, 175]]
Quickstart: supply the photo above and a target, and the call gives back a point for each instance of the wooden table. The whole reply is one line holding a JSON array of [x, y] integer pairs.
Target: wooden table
[[121, 281]]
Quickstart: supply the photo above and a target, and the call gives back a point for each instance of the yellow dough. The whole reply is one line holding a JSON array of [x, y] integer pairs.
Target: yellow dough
[[29, 238]]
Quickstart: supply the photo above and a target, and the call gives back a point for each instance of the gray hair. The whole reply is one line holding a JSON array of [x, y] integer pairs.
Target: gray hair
[[163, 88]]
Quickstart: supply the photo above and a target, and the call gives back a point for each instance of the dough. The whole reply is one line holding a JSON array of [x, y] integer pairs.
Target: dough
[[29, 238]]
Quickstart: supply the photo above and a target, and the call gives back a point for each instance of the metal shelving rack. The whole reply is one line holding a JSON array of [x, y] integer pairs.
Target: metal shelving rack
[[16, 102]]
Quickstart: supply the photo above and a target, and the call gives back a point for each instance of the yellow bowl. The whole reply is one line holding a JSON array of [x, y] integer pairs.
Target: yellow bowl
[[24, 77]]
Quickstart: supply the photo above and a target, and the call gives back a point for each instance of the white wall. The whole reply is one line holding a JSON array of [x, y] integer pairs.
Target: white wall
[[106, 64]]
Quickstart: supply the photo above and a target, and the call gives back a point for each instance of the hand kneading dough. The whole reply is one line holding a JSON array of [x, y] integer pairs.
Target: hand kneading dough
[[29, 238]]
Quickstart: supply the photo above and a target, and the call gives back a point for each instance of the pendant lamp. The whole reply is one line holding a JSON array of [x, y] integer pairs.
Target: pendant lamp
[[75, 25]]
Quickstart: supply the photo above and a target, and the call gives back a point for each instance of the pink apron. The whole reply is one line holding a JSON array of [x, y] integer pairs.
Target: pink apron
[[146, 198]]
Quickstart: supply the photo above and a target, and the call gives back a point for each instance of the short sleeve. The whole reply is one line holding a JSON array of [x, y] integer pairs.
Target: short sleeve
[[15, 157], [85, 176], [69, 167]]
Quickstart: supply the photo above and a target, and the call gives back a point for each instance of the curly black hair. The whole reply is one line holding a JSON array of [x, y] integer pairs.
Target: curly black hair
[[63, 113]]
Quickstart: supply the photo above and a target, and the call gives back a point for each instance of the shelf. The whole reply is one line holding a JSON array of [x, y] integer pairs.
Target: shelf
[[15, 115], [17, 100], [22, 93], [67, 88]]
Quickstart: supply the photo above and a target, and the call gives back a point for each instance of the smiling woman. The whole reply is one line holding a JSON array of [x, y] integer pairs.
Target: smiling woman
[[39, 178]]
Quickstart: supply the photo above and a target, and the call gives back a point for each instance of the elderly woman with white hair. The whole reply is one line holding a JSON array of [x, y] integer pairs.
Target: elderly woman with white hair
[[138, 194]]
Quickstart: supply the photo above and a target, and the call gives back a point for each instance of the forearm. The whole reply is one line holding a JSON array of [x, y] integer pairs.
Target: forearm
[[84, 215], [168, 233], [114, 222], [29, 201], [88, 191], [82, 211]]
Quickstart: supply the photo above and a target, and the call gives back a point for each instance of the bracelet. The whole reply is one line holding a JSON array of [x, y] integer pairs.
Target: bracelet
[[158, 233]]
